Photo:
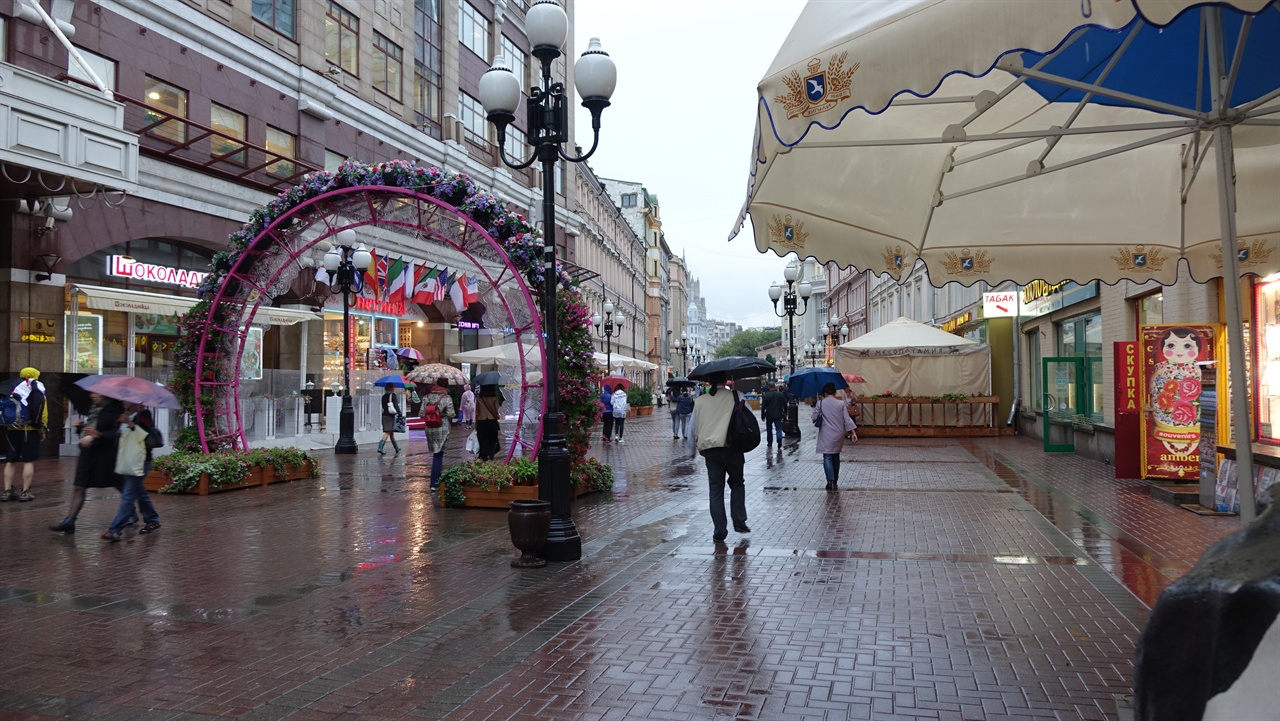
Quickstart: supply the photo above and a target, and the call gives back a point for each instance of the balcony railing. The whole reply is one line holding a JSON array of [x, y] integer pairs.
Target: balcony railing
[[182, 141]]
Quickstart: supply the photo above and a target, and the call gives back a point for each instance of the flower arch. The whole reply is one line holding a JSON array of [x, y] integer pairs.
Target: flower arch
[[432, 206]]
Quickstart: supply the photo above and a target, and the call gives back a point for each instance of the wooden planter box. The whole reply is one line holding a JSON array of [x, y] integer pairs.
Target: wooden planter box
[[257, 476], [292, 473], [479, 498]]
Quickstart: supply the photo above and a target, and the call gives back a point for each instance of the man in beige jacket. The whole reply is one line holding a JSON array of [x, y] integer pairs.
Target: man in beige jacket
[[711, 414]]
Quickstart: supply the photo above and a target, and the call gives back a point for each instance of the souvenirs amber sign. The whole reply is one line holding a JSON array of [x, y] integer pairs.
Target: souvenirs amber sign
[[1171, 357]]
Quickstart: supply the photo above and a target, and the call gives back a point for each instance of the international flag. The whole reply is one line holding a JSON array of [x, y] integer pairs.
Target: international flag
[[442, 285], [423, 288], [371, 275], [471, 293], [409, 279], [395, 277], [457, 292]]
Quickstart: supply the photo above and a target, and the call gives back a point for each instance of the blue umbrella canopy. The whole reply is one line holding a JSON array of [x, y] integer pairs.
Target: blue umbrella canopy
[[808, 383], [395, 381]]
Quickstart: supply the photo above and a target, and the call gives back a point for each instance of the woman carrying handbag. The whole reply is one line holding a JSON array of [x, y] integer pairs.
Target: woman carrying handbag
[[831, 416], [392, 420]]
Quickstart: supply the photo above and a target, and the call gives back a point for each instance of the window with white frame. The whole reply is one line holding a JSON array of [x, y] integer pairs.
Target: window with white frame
[[103, 67], [516, 57], [388, 62], [473, 30], [514, 144], [471, 113]]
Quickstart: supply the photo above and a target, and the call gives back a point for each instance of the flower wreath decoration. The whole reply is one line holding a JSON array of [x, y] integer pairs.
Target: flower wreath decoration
[[521, 241]]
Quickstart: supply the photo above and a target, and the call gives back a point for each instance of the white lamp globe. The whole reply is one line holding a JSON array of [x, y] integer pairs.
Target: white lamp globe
[[595, 75], [806, 290], [346, 238], [500, 88], [775, 292], [332, 260], [596, 320], [362, 258], [791, 272], [546, 25], [617, 319], [608, 307]]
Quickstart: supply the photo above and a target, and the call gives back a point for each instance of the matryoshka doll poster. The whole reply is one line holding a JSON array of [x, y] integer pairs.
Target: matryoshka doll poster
[[1171, 358]]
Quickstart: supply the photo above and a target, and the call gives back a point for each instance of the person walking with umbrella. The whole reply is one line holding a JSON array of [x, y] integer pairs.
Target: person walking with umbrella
[[488, 411], [831, 416], [392, 413], [620, 408], [711, 415], [437, 407], [95, 468], [132, 464], [22, 443], [773, 407]]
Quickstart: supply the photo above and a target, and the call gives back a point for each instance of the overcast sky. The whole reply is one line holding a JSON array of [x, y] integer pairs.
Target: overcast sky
[[682, 121]]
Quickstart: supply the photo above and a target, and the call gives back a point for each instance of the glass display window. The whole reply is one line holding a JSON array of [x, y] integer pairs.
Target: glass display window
[[1267, 320]]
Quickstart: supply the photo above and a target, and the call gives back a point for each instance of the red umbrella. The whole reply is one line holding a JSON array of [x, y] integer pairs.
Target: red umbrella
[[615, 382]]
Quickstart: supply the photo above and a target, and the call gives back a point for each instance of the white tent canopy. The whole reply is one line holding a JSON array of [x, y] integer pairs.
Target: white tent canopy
[[624, 362], [505, 354], [910, 358]]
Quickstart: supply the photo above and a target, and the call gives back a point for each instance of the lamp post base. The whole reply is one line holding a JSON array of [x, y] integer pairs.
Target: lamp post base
[[563, 541], [347, 429]]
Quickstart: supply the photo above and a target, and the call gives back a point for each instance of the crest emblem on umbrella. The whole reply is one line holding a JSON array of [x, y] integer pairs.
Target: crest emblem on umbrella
[[1255, 253], [786, 232], [820, 90], [968, 263], [894, 258], [1139, 260]]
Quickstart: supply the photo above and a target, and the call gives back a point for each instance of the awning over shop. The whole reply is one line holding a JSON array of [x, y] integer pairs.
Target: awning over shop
[[136, 301], [624, 362]]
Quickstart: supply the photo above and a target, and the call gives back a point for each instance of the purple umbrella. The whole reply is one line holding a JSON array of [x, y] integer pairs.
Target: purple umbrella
[[130, 389], [411, 353]]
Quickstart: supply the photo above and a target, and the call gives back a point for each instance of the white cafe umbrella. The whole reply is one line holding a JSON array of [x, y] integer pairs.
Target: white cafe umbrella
[[1053, 140]]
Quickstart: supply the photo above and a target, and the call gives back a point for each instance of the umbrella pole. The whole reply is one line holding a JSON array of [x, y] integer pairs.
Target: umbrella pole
[[1242, 427]]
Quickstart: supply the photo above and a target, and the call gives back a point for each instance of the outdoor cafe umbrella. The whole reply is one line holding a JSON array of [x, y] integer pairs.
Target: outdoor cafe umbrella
[[130, 389], [735, 366], [395, 381], [808, 383], [433, 372], [489, 378], [1128, 138]]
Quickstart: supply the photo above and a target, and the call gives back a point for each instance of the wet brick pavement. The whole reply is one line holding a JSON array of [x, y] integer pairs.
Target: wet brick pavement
[[975, 579]]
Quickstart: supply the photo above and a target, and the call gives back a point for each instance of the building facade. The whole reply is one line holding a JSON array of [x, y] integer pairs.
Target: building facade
[[215, 107], [609, 247]]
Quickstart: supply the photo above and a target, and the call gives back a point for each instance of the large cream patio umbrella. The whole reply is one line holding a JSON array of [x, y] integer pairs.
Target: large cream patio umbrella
[[1041, 139]]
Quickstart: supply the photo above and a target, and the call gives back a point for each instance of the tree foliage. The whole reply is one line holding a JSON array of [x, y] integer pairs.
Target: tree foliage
[[746, 342]]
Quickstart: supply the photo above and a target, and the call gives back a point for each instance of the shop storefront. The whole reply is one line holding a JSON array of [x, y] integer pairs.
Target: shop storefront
[[997, 333]]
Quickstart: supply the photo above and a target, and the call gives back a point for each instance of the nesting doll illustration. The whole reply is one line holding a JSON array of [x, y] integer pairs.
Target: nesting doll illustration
[[1174, 399]]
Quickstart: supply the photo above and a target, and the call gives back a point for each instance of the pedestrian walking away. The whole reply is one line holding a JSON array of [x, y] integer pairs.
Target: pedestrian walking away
[[134, 446], [467, 409], [606, 402], [681, 408], [488, 411], [831, 416], [711, 414], [392, 420], [96, 467], [22, 441], [436, 407], [773, 408], [620, 408]]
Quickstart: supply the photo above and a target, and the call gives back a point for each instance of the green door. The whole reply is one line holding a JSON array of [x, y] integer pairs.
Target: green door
[[1066, 398]]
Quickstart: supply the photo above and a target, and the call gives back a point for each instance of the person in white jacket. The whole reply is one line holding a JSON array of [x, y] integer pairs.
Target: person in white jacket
[[620, 409], [131, 464]]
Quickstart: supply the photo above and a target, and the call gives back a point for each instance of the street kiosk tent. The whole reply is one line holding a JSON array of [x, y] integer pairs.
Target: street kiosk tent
[[909, 358]]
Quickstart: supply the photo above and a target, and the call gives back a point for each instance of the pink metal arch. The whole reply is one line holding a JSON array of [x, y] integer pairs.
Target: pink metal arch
[[271, 260]]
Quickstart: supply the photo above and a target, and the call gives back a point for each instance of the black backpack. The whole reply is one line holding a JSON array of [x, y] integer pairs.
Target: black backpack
[[744, 429]]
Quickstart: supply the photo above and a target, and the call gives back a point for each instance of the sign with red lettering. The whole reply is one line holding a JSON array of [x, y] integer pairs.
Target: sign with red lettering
[[1128, 378], [1170, 363], [124, 266]]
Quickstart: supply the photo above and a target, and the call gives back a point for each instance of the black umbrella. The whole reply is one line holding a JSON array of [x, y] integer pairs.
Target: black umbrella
[[735, 366], [681, 382], [488, 378]]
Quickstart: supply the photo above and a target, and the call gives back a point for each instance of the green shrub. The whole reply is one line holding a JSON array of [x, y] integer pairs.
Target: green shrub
[[637, 396]]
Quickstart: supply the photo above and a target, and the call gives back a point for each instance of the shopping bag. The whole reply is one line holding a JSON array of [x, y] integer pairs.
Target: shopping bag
[[473, 443]]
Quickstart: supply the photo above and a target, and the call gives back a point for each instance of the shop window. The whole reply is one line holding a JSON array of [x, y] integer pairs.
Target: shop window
[[342, 38], [282, 144], [276, 14], [1150, 309], [229, 123], [103, 67], [514, 144], [388, 61], [169, 101], [1081, 337], [471, 113], [516, 57], [332, 160], [1267, 311]]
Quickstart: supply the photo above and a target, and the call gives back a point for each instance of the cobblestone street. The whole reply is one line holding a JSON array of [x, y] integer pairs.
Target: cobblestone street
[[972, 579]]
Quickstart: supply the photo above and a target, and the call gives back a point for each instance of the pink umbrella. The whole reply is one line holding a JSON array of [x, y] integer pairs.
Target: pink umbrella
[[130, 389], [410, 353]]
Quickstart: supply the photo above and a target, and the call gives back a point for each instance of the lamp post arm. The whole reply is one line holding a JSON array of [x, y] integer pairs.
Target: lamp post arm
[[502, 152]]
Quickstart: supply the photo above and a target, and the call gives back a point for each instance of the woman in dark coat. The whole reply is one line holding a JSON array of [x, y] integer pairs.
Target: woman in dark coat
[[488, 410], [391, 409], [95, 468]]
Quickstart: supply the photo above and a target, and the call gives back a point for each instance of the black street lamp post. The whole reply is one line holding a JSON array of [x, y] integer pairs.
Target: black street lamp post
[[547, 28], [812, 353], [612, 321], [346, 267], [684, 348], [791, 424]]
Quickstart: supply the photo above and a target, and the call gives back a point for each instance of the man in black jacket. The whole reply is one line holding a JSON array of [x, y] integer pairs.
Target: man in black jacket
[[773, 408]]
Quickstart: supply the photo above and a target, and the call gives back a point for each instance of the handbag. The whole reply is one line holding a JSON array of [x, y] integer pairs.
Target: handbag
[[817, 422], [399, 424], [744, 429]]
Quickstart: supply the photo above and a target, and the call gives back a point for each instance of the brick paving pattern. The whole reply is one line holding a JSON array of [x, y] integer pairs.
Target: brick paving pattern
[[946, 579]]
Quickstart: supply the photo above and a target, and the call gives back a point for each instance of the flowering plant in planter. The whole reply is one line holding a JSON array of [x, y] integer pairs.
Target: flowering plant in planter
[[487, 475], [593, 475], [228, 468]]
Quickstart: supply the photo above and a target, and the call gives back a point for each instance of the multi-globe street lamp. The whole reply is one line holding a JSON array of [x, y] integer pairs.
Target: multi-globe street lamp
[[791, 274], [547, 28], [346, 266], [612, 321], [812, 352], [684, 349]]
